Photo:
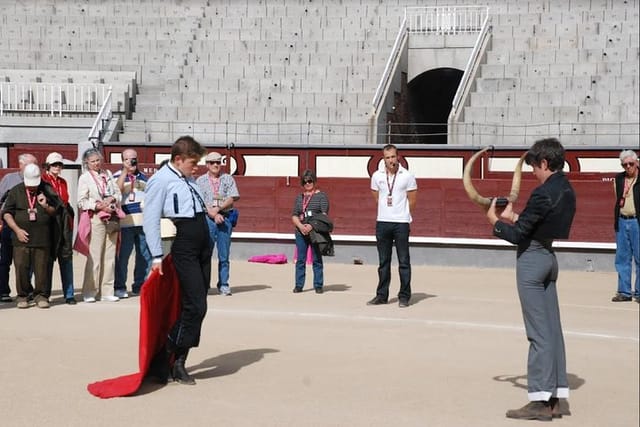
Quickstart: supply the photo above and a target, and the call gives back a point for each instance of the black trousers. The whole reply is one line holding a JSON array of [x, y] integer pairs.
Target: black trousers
[[191, 251]]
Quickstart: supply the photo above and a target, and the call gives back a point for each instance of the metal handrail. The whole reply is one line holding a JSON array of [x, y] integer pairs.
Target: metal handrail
[[470, 70], [390, 65]]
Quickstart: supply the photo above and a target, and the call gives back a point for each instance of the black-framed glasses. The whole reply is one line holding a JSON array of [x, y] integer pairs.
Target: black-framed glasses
[[56, 165], [214, 162], [628, 164], [307, 181]]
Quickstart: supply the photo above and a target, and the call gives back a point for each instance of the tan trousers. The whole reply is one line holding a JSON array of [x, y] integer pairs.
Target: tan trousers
[[99, 271]]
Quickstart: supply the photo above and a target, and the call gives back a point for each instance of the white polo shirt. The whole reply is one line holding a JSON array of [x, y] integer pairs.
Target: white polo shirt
[[399, 209]]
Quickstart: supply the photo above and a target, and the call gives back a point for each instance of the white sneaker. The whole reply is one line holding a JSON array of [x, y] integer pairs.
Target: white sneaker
[[89, 299], [121, 293], [110, 298]]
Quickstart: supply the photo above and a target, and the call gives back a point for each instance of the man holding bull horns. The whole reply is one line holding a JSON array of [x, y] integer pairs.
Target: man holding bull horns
[[548, 215]]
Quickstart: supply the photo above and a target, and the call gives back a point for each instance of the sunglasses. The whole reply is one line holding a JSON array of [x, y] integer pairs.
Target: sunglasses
[[307, 181], [629, 164], [214, 162]]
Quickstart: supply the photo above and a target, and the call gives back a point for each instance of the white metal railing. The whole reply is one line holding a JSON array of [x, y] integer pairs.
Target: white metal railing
[[309, 133], [54, 99], [102, 120], [446, 20], [470, 70]]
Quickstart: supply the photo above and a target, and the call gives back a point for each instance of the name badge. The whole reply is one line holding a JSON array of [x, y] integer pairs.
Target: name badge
[[32, 214], [389, 201], [132, 196]]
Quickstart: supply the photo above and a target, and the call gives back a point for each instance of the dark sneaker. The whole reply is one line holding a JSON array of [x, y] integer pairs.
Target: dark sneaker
[[319, 290], [620, 298], [71, 301], [297, 290], [403, 303], [537, 410], [5, 298], [377, 300]]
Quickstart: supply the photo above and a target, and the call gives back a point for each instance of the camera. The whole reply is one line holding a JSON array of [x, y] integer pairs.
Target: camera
[[133, 162]]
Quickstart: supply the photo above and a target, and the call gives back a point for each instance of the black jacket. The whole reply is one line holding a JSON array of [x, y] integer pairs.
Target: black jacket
[[636, 198], [321, 233], [548, 214]]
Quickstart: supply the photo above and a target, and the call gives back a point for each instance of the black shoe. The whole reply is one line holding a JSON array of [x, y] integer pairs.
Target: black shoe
[[377, 300], [620, 298], [403, 303], [180, 373], [71, 301], [319, 290], [537, 410], [5, 298], [297, 290]]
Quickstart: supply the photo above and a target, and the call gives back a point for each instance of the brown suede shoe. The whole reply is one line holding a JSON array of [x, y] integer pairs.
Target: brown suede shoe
[[559, 407], [536, 410]]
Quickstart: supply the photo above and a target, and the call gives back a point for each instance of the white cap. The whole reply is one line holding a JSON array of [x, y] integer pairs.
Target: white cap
[[31, 175], [54, 158]]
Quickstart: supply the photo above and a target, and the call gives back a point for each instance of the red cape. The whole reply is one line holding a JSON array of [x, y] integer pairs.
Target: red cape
[[159, 310]]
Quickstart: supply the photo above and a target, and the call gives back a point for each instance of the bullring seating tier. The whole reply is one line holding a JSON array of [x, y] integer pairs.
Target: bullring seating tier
[[296, 61]]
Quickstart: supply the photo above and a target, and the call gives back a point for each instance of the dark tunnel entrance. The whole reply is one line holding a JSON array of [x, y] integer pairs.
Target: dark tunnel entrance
[[429, 97]]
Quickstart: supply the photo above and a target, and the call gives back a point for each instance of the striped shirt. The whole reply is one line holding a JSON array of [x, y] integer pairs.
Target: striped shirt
[[318, 203]]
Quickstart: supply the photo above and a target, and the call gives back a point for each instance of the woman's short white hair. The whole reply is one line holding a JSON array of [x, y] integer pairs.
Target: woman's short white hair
[[628, 153]]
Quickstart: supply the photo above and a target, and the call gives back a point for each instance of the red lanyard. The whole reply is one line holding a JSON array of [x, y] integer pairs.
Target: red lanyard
[[393, 183], [215, 185], [305, 201], [102, 189], [32, 201], [55, 183]]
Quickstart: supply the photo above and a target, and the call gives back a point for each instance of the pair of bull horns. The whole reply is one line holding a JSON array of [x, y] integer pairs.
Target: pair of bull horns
[[485, 202]]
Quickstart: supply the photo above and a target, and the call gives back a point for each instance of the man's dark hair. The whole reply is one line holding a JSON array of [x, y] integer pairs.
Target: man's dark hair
[[549, 149], [187, 147], [389, 147]]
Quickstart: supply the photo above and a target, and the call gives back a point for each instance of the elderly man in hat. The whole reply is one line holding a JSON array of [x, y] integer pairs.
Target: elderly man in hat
[[29, 211], [220, 192]]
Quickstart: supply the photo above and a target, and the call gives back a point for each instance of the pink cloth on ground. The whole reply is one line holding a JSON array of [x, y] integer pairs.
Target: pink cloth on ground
[[269, 259]]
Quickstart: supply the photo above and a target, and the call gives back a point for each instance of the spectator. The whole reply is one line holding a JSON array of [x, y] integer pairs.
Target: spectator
[[29, 211], [548, 215], [9, 181], [98, 199], [62, 250], [220, 192], [132, 184], [308, 204], [395, 191], [627, 225]]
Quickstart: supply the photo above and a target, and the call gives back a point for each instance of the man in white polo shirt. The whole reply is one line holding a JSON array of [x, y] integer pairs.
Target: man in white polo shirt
[[395, 190]]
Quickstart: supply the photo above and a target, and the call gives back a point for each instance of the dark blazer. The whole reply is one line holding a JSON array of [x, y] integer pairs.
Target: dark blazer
[[548, 214], [619, 182]]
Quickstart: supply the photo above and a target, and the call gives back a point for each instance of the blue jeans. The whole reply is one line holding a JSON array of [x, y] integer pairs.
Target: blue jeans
[[388, 233], [66, 276], [220, 236], [628, 252], [6, 257], [131, 237], [302, 246]]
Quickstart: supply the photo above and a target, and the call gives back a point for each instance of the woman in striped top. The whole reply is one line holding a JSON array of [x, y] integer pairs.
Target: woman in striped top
[[311, 201]]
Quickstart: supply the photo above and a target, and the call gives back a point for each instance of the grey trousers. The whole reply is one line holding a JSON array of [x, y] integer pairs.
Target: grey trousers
[[536, 274]]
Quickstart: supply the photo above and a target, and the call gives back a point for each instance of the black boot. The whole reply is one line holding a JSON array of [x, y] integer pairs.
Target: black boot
[[159, 368], [180, 373]]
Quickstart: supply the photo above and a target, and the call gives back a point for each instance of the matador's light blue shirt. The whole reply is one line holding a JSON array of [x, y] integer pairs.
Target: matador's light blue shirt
[[169, 194]]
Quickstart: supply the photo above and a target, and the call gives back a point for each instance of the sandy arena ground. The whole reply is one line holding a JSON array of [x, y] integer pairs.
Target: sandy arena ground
[[268, 357]]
